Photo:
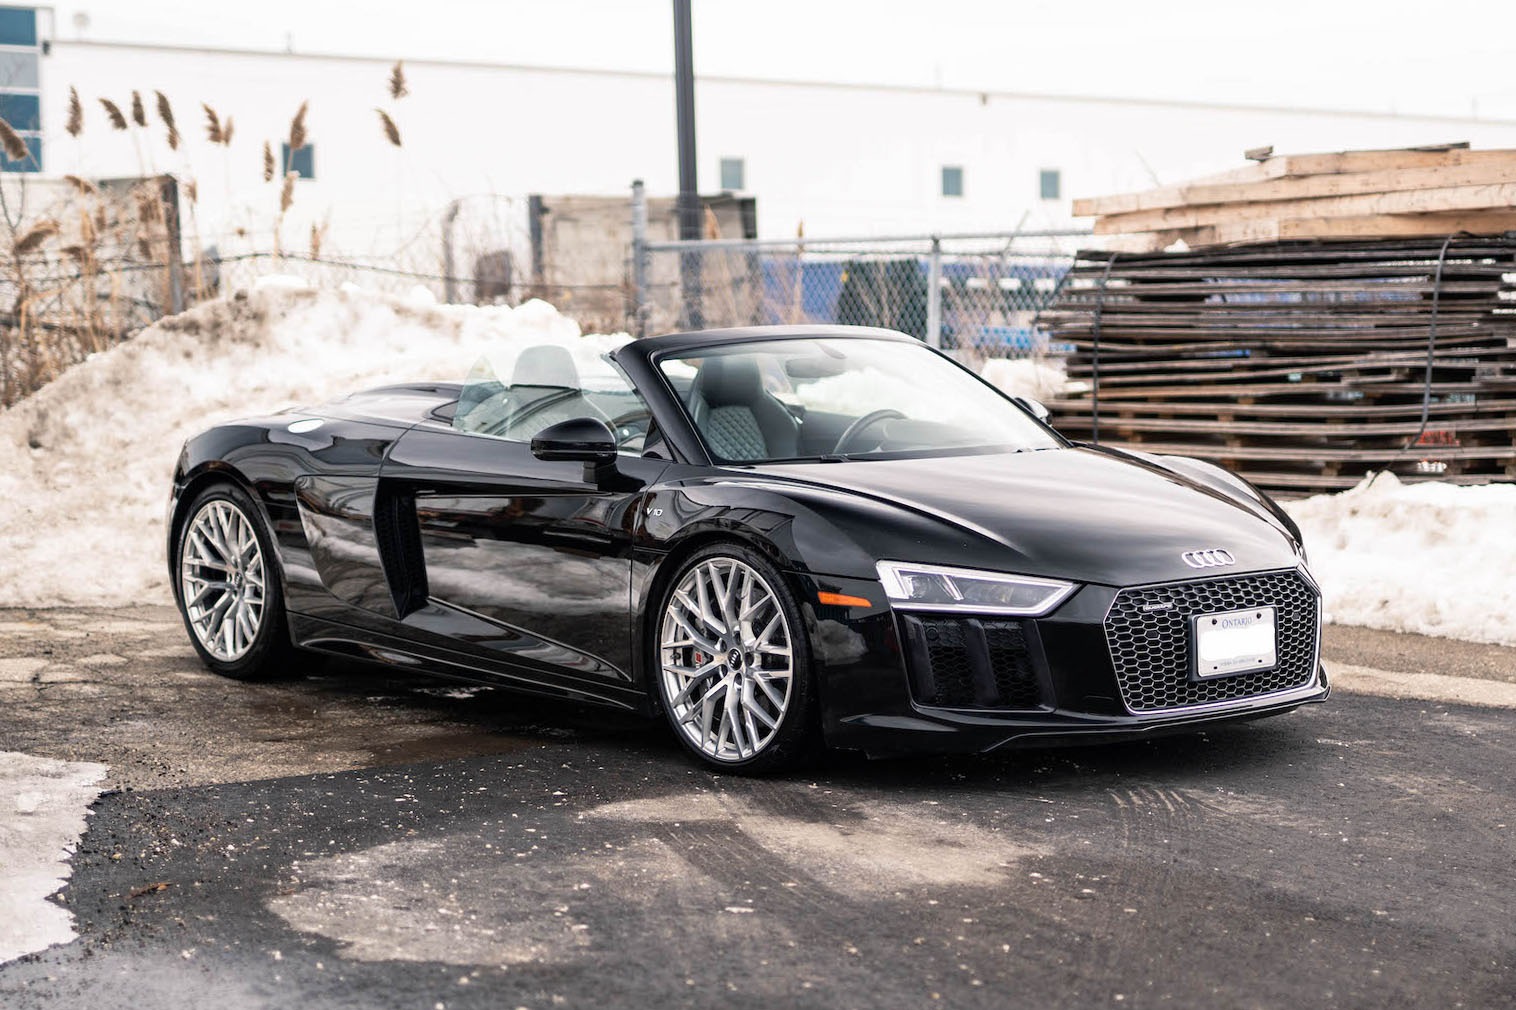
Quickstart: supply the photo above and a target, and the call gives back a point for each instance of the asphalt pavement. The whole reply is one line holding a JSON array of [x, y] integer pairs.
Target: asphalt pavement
[[348, 839]]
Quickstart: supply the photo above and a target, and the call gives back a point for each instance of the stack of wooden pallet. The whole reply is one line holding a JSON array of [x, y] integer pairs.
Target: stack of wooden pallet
[[1349, 194], [1299, 364]]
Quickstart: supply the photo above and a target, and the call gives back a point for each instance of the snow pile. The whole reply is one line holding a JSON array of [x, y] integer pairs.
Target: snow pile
[[42, 808], [85, 463], [1038, 379], [1432, 558]]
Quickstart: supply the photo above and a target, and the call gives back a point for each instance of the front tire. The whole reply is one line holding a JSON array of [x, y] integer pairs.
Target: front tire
[[732, 663], [228, 589]]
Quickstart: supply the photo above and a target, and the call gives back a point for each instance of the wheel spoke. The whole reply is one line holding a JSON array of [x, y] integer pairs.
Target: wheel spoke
[[704, 596], [696, 678], [755, 711], [704, 642], [774, 697], [210, 587], [731, 721], [707, 710]]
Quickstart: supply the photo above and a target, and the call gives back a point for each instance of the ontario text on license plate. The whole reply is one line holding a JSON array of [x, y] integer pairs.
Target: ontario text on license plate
[[1235, 642]]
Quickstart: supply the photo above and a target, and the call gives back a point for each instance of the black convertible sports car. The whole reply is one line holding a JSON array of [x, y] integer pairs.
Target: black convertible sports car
[[777, 536]]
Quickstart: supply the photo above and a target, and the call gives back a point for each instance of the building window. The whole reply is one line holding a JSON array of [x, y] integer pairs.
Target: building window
[[1050, 183], [18, 26], [301, 162], [733, 174], [22, 111], [31, 163], [20, 101], [952, 180], [18, 70]]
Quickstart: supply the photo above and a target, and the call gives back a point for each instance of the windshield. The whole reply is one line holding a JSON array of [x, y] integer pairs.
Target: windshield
[[822, 399]]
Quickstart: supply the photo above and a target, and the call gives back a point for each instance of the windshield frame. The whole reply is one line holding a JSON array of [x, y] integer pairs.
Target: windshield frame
[[689, 347]]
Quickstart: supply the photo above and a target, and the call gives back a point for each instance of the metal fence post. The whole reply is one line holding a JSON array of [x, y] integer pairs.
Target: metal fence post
[[934, 294], [639, 259], [449, 267]]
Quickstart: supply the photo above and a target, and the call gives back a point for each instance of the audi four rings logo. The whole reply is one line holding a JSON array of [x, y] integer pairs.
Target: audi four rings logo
[[1213, 558]]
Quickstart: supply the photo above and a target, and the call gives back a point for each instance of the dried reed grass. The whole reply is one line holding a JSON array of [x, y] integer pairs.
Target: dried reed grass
[[31, 239], [213, 131], [113, 111], [75, 124], [298, 136], [139, 114], [15, 147], [397, 81], [391, 131], [166, 113]]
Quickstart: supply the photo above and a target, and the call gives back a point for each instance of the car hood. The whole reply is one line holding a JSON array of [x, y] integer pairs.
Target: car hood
[[1085, 514]]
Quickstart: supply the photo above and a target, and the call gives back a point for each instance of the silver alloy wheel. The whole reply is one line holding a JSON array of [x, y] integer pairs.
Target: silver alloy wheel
[[221, 579], [726, 657]]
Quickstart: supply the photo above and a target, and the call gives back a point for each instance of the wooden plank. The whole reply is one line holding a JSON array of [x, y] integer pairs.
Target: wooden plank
[[1285, 429], [1315, 455], [1399, 287], [1453, 267], [1488, 222], [1363, 251], [1255, 364], [1317, 390], [1490, 170], [1421, 201], [1291, 165], [1480, 408], [1122, 350]]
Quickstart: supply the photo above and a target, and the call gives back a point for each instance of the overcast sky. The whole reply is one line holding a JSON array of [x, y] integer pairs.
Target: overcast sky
[[1453, 57]]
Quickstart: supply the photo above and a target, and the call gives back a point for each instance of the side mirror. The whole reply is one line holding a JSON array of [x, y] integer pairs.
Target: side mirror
[[581, 439], [1035, 407]]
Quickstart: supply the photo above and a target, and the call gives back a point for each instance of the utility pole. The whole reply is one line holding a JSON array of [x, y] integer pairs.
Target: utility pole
[[689, 190]]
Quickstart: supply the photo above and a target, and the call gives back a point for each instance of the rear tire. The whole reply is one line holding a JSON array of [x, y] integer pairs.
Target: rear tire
[[228, 587], [731, 663]]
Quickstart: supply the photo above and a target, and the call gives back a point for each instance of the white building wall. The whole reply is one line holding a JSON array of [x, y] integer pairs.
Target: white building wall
[[843, 159]]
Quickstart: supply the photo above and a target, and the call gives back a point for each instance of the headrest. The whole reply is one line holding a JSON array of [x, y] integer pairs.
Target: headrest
[[546, 365], [729, 379]]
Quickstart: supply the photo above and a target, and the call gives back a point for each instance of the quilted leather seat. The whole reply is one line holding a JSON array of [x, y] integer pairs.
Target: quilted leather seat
[[738, 417]]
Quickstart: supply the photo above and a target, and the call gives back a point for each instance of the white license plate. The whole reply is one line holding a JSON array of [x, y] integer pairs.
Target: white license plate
[[1235, 642]]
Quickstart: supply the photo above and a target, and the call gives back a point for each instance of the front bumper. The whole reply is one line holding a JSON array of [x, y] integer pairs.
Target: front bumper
[[1086, 673]]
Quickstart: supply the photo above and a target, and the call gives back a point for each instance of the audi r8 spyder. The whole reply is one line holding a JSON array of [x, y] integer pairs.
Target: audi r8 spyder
[[779, 538]]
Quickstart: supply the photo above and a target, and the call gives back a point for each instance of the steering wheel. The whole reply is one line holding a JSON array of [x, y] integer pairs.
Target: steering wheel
[[868, 420]]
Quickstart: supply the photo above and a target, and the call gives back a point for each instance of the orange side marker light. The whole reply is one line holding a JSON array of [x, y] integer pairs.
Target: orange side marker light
[[842, 600]]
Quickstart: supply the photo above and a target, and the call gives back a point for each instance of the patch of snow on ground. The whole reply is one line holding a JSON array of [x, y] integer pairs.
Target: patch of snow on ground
[[1435, 559], [43, 804], [85, 463]]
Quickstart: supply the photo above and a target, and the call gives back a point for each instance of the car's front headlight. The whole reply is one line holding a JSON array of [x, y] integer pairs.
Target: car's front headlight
[[935, 587]]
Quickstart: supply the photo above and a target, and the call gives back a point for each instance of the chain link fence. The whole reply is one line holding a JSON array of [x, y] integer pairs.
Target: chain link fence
[[976, 296]]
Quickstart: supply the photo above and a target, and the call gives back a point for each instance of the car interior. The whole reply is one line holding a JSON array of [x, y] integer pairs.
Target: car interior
[[731, 399]]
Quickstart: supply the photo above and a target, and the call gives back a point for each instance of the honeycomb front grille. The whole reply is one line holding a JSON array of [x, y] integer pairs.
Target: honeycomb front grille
[[969, 662], [1151, 648]]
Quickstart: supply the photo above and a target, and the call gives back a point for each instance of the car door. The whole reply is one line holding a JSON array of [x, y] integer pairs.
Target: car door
[[524, 563]]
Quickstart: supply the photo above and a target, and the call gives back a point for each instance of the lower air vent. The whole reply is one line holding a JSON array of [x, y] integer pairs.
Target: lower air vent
[[969, 662]]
